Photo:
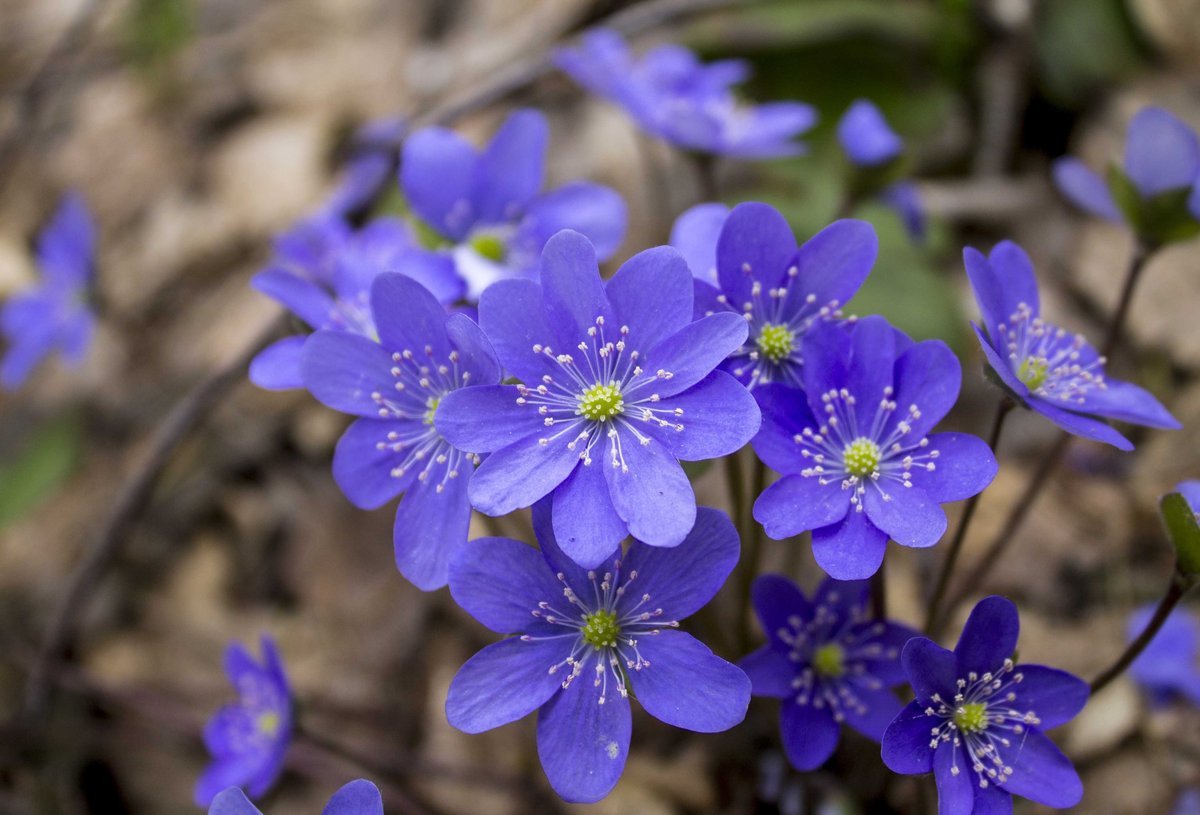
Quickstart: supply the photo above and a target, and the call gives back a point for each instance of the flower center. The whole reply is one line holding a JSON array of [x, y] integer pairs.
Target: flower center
[[1033, 372], [267, 723], [971, 717], [601, 402], [600, 629], [431, 406], [489, 246], [776, 342], [829, 661], [861, 457]]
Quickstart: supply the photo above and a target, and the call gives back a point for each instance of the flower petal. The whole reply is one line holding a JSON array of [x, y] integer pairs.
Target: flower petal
[[770, 671], [500, 582], [931, 669], [650, 491], [1041, 772], [429, 526], [872, 357], [905, 746], [989, 637], [874, 711], [809, 734], [652, 294], [512, 317], [593, 210], [476, 356], [851, 549], [833, 264], [776, 600], [865, 136], [506, 681], [343, 370], [433, 270], [586, 525], [1079, 425], [992, 800], [277, 367], [511, 168], [363, 471], [695, 234], [797, 503], [719, 417], [359, 797], [929, 376], [515, 476], [964, 467], [756, 245], [230, 801], [436, 171], [1084, 188], [694, 351], [1161, 152], [688, 686], [956, 781], [906, 514], [409, 317], [484, 418], [572, 292], [583, 744], [303, 297], [1000, 366], [785, 414], [1055, 696], [1126, 402]]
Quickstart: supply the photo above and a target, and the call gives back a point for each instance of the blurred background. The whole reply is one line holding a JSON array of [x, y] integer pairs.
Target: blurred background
[[198, 129]]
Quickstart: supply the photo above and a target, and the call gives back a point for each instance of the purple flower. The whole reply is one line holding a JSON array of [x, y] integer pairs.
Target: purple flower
[[828, 661], [780, 290], [586, 637], [618, 386], [977, 720], [488, 203], [368, 169], [865, 136], [1162, 155], [1169, 667], [54, 315], [903, 198], [359, 797], [695, 233], [249, 738], [1188, 803], [674, 96], [859, 464], [1045, 368], [397, 386]]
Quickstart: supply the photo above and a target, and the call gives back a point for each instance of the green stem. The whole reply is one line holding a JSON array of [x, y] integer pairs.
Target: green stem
[[1175, 591], [1137, 262]]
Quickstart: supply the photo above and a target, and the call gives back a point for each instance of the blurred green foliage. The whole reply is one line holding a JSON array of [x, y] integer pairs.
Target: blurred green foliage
[[156, 30], [39, 467]]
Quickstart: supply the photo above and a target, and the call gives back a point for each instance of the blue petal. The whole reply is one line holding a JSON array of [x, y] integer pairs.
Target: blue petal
[[1001, 365], [685, 685], [708, 300], [433, 270], [306, 299], [872, 357], [343, 370], [866, 137], [770, 671], [225, 734], [1041, 772], [964, 467], [1085, 188], [797, 503], [24, 355], [231, 801], [582, 743], [785, 414], [509, 172], [650, 491], [652, 294], [359, 797], [833, 264], [1126, 402], [477, 360], [1079, 425], [409, 317], [756, 245], [810, 734], [929, 376], [695, 234], [931, 670], [1190, 490], [956, 790], [484, 418], [266, 776], [506, 681], [436, 171], [220, 776], [694, 351], [1001, 288], [875, 709], [776, 600], [277, 367], [992, 800], [1054, 696], [66, 246], [719, 417], [906, 514], [850, 550], [1161, 152], [513, 318], [904, 199], [430, 525], [363, 471], [595, 211], [772, 127], [682, 579], [515, 476], [989, 637], [572, 292], [905, 746], [556, 560], [827, 358], [586, 525], [500, 582]]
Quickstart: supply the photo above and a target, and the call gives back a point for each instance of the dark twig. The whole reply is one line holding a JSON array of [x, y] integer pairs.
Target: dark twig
[[1137, 263], [1175, 591]]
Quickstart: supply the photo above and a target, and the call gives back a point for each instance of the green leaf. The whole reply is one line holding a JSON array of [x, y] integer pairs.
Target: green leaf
[[1126, 196], [1184, 531], [39, 468]]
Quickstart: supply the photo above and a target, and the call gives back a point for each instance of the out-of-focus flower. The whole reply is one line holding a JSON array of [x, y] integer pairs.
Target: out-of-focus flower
[[673, 95], [359, 797], [695, 233], [1169, 668], [874, 150]]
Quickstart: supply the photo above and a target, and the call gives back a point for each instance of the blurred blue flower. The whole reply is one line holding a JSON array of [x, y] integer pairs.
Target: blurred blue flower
[[54, 315], [828, 661], [489, 203], [249, 738], [674, 96], [1188, 803], [367, 171], [586, 639], [977, 719], [865, 136], [1047, 369], [1169, 668], [359, 797], [695, 233]]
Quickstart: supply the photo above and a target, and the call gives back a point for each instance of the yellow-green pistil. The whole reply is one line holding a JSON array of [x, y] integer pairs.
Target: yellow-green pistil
[[776, 342], [268, 723], [829, 661], [431, 406], [601, 402], [600, 629], [861, 457], [489, 246], [1033, 372], [971, 717]]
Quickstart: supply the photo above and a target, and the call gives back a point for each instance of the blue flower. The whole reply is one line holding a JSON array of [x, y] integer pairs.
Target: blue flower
[[323, 272], [1044, 367], [674, 96], [1188, 803], [903, 199], [587, 638], [859, 464], [368, 168], [977, 720], [249, 738], [54, 315], [488, 204], [618, 385], [828, 661], [359, 797], [397, 386], [782, 290], [695, 233], [1169, 668], [1162, 156], [865, 136]]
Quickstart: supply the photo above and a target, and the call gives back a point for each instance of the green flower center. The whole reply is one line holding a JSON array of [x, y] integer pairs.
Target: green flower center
[[601, 402], [829, 660], [776, 342], [489, 246], [600, 629], [1033, 372], [861, 457], [971, 717], [267, 723], [431, 406]]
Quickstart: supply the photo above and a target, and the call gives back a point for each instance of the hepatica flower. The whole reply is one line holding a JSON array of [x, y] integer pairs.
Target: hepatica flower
[[874, 150], [695, 233], [1169, 668], [488, 204], [587, 639], [781, 290], [978, 719], [617, 386], [54, 315], [359, 797], [829, 663], [855, 448], [396, 386], [1046, 368], [249, 738], [673, 95]]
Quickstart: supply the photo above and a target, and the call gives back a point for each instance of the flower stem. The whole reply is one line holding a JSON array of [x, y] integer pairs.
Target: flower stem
[[1137, 262], [960, 534], [1175, 591], [879, 592], [735, 482], [752, 535], [705, 166]]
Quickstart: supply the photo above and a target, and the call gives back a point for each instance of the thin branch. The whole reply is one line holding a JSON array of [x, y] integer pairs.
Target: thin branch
[[1175, 591]]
